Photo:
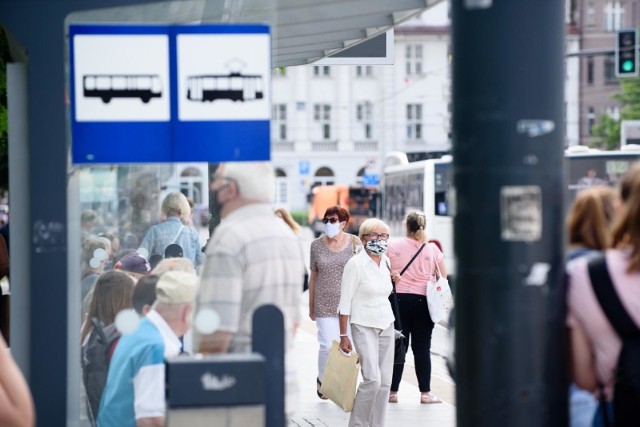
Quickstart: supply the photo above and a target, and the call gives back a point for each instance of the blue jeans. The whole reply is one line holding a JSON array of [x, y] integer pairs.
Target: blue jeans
[[598, 419]]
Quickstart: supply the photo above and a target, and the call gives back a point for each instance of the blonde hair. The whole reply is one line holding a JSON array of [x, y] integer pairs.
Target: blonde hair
[[415, 223], [626, 232], [371, 224], [176, 204], [173, 264], [286, 217], [591, 217]]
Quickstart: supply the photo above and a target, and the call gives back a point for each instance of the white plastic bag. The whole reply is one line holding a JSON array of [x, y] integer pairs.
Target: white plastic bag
[[439, 297]]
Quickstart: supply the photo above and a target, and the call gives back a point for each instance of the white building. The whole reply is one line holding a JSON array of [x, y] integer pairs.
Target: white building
[[334, 124]]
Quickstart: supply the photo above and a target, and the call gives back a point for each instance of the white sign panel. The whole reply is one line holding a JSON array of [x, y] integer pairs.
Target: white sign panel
[[121, 78], [223, 76]]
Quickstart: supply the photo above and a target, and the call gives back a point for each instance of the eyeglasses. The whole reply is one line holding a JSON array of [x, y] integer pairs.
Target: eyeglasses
[[331, 220], [376, 236]]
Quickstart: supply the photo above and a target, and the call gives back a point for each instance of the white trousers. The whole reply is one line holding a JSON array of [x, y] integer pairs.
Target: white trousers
[[376, 348], [328, 331]]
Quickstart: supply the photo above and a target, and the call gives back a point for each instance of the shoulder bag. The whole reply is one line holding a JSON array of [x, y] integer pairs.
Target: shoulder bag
[[400, 353], [439, 297]]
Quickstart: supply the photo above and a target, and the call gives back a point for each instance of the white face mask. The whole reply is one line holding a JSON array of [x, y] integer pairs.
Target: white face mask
[[332, 230]]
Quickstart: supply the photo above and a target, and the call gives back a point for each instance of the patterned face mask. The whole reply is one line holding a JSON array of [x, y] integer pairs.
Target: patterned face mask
[[376, 247]]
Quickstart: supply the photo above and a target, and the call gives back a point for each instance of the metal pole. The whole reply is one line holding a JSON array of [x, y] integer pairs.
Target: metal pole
[[508, 125]]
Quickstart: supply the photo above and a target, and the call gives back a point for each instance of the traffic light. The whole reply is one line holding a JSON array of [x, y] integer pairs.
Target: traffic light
[[627, 53]]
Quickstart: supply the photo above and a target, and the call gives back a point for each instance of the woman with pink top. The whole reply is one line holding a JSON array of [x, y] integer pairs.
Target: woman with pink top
[[411, 288], [595, 344]]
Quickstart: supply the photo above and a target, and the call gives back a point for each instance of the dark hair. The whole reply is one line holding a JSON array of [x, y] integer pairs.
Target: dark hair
[[145, 292], [120, 254], [111, 294], [154, 260], [339, 211]]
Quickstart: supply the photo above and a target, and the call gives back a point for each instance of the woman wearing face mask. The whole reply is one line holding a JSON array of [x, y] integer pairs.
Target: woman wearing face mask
[[366, 285], [329, 254]]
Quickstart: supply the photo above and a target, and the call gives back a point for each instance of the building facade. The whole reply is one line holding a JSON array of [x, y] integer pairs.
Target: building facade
[[597, 22]]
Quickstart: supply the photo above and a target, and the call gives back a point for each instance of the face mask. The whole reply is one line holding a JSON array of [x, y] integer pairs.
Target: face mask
[[332, 230], [376, 247]]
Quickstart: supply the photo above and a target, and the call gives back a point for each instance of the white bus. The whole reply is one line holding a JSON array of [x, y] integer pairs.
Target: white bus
[[428, 186]]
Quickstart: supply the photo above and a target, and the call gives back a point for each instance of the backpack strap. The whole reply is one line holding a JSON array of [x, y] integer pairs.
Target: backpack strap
[[609, 299]]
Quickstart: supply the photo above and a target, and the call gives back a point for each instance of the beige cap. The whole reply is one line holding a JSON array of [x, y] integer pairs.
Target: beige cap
[[176, 287]]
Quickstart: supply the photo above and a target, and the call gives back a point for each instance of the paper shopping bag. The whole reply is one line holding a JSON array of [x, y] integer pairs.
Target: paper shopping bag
[[341, 377]]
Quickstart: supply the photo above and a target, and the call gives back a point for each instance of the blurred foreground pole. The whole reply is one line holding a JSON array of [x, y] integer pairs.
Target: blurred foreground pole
[[508, 123]]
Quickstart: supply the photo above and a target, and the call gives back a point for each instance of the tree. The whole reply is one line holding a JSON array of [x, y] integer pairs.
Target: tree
[[629, 97]]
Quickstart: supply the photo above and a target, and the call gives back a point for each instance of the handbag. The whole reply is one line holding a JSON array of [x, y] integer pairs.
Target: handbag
[[400, 351], [439, 298], [341, 377]]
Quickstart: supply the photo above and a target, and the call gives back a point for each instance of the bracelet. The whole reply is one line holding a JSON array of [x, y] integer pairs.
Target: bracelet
[[344, 335]]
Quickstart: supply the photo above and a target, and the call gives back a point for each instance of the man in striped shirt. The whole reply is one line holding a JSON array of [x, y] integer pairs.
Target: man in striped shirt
[[252, 259]]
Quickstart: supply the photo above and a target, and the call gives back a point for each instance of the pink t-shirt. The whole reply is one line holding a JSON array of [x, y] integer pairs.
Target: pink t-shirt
[[584, 309], [421, 271]]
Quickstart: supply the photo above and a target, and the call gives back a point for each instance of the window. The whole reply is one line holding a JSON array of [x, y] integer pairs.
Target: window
[[591, 15], [610, 69], [413, 57], [364, 116], [324, 176], [282, 188], [591, 121], [321, 71], [414, 121], [322, 115], [590, 70], [364, 71], [191, 180], [279, 122], [613, 12]]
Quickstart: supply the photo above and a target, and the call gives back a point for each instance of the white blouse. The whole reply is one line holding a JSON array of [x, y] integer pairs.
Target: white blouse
[[365, 290]]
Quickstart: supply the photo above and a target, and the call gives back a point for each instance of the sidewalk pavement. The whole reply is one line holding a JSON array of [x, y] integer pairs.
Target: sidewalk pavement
[[313, 411]]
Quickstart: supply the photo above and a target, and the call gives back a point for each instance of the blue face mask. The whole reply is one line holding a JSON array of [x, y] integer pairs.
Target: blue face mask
[[376, 247]]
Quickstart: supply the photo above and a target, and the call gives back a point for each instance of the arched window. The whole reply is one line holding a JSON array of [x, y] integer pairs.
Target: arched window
[[192, 183], [282, 187], [324, 176], [359, 175]]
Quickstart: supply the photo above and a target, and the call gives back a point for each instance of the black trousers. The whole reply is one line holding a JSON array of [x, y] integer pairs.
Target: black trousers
[[417, 328]]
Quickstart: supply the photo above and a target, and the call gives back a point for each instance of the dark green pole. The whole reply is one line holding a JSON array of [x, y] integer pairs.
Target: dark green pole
[[508, 123]]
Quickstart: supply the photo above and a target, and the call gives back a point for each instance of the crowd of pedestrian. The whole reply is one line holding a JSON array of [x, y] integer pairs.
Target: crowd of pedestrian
[[255, 257]]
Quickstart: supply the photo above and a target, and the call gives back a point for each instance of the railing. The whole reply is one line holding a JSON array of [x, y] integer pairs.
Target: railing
[[365, 145], [324, 146], [283, 146]]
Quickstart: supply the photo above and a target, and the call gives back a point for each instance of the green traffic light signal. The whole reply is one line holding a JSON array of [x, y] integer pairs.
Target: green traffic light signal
[[627, 66]]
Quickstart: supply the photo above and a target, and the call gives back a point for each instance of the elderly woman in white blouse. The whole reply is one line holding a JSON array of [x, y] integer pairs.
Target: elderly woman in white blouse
[[364, 303]]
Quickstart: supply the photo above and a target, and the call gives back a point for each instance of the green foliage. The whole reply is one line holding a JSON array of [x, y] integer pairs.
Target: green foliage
[[301, 217], [608, 129]]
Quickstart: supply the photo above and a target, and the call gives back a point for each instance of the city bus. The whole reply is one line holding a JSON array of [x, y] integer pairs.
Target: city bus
[[108, 86], [428, 186]]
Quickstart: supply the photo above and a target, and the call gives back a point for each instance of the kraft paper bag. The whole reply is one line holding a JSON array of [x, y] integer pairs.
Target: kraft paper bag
[[341, 377]]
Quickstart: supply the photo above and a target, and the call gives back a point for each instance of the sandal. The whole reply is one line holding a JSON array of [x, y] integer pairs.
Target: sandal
[[320, 395], [393, 397], [429, 398]]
